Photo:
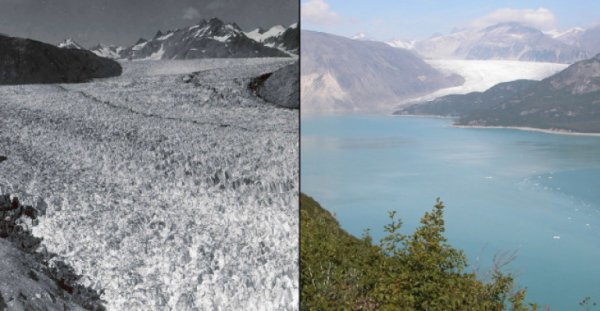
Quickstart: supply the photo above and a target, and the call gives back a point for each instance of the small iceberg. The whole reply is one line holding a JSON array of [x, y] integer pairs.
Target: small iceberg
[[556, 237]]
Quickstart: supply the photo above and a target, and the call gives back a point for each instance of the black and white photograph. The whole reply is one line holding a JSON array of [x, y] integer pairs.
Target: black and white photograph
[[149, 155]]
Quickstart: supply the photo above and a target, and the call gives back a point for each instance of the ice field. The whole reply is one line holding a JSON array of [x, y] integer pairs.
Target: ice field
[[170, 187], [481, 75]]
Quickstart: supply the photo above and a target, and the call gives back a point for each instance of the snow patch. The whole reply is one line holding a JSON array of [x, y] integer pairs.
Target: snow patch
[[165, 37]]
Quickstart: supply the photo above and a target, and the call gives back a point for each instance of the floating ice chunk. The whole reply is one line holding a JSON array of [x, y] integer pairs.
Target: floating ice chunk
[[489, 177], [556, 237]]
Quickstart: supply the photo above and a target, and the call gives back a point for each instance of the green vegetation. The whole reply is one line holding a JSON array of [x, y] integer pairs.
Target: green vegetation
[[403, 272], [566, 101]]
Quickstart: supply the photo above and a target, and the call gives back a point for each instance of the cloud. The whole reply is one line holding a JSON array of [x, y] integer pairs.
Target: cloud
[[540, 18], [191, 13], [318, 12]]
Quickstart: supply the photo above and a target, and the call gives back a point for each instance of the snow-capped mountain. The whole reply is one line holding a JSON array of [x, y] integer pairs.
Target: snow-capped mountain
[[288, 41], [360, 36], [207, 39], [443, 46], [69, 44], [402, 44], [507, 41], [111, 51], [260, 35], [570, 36], [279, 37]]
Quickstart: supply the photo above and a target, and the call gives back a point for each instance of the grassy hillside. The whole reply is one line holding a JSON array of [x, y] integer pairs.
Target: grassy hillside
[[420, 271]]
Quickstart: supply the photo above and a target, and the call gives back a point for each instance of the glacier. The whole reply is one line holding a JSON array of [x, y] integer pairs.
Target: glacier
[[172, 187], [481, 75]]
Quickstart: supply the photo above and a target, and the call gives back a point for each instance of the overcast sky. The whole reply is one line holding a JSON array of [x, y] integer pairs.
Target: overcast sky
[[122, 22], [419, 19]]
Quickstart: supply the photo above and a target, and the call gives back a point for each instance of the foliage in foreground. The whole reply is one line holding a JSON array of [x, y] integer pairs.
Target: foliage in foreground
[[404, 272]]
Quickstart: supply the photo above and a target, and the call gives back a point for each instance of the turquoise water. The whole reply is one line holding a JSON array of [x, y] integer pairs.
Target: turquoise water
[[505, 191]]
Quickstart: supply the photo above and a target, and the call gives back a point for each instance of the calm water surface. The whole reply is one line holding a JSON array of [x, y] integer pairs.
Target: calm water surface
[[505, 190]]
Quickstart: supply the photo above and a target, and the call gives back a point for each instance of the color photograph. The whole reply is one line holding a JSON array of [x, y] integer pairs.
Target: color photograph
[[450, 155]]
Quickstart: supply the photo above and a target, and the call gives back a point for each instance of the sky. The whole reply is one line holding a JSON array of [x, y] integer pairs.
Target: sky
[[420, 19], [123, 22]]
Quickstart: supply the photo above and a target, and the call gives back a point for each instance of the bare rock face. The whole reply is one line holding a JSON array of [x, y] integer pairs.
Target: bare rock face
[[24, 61], [580, 78], [281, 87]]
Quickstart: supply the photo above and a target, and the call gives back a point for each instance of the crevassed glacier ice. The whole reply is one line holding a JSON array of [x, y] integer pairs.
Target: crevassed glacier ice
[[167, 189]]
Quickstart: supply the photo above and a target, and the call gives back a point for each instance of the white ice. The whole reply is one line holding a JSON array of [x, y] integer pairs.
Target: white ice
[[480, 75], [167, 195]]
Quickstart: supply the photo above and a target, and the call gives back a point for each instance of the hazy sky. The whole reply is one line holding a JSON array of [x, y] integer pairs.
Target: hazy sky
[[419, 19], [124, 21]]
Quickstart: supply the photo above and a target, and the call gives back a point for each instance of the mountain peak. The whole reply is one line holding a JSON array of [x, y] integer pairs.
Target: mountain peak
[[206, 39], [511, 27], [259, 30], [360, 36], [140, 41], [69, 43]]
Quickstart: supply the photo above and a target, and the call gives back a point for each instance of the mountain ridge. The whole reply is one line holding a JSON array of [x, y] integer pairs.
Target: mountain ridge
[[342, 74], [566, 101], [210, 38], [25, 61]]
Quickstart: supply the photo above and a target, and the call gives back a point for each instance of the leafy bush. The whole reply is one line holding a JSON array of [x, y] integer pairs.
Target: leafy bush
[[404, 272]]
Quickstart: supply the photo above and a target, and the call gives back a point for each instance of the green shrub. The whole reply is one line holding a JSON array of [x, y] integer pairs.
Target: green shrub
[[404, 272]]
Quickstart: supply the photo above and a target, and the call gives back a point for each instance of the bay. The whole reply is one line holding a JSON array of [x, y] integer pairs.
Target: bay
[[506, 191]]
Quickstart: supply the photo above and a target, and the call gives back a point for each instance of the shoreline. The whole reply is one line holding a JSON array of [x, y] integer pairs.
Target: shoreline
[[427, 116], [519, 128], [529, 129]]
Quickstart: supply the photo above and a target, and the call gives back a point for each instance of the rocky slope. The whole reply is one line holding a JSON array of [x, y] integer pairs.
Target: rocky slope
[[30, 277], [568, 101], [281, 87], [24, 61], [341, 74], [288, 40]]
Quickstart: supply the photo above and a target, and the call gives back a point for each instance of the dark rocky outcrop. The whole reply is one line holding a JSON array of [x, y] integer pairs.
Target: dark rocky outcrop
[[281, 87], [24, 61], [30, 277]]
